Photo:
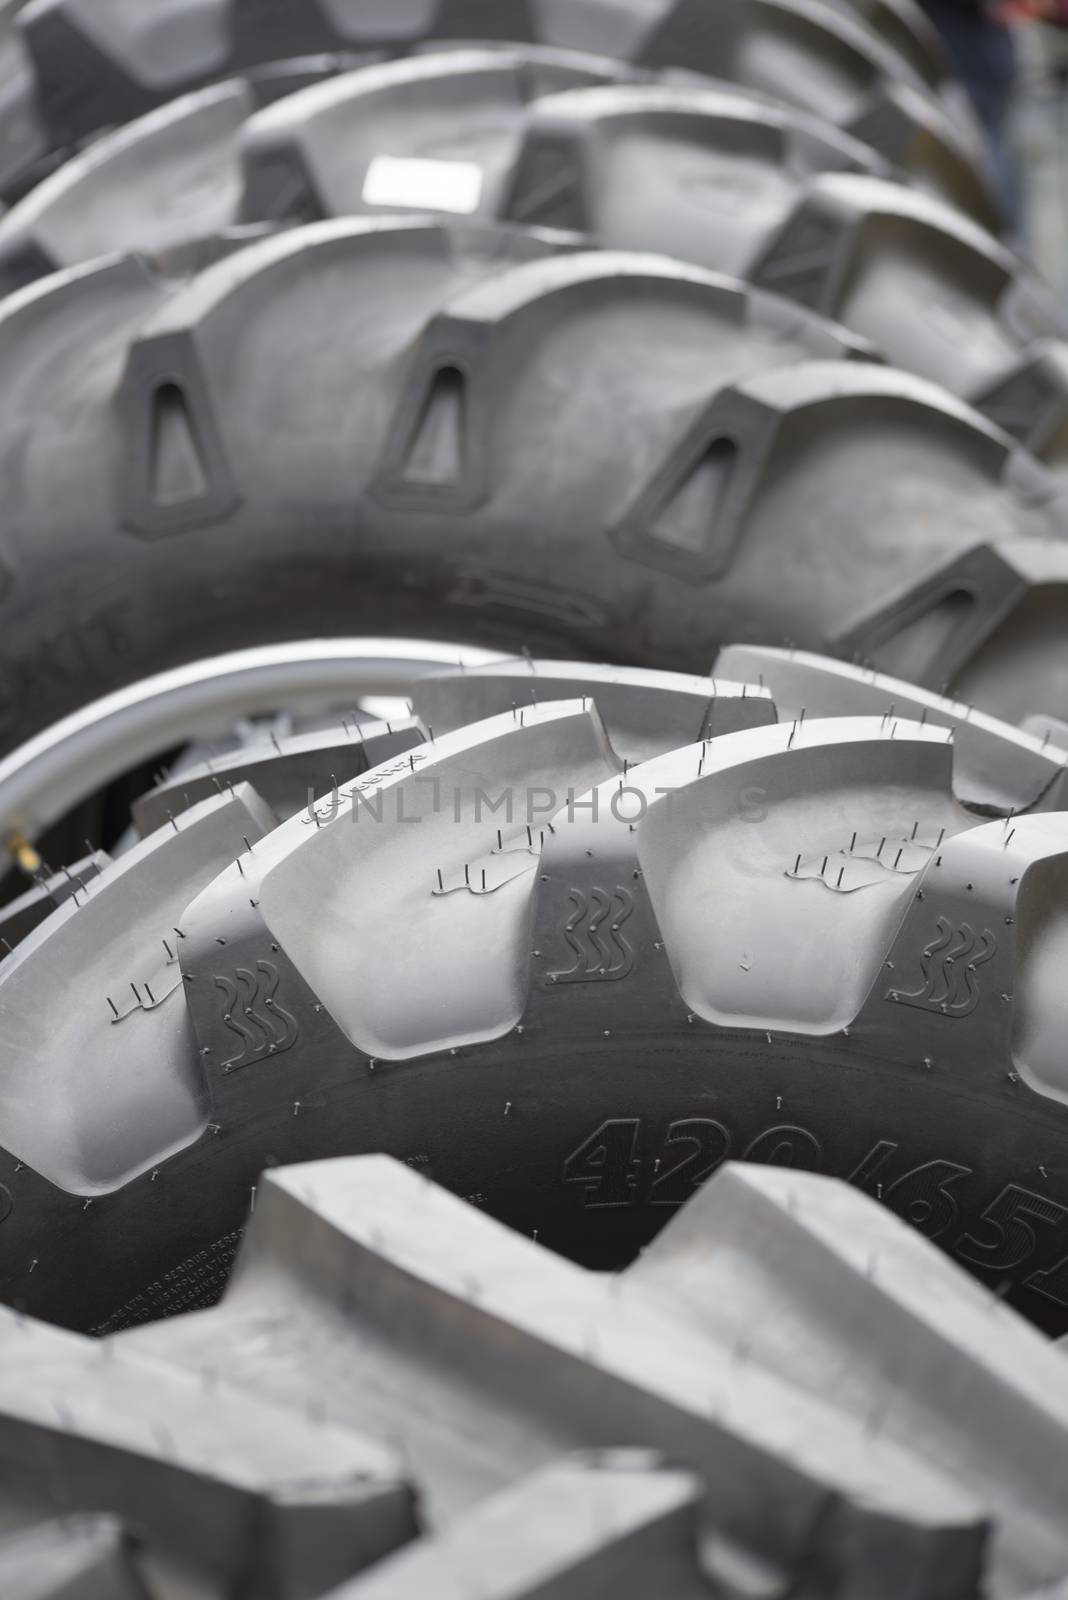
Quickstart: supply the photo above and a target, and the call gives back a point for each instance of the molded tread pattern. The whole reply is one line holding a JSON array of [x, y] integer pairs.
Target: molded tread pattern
[[874, 254], [1029, 400], [958, 631], [80, 1558], [337, 142], [281, 1504], [24, 913], [720, 469], [148, 186], [660, 924], [623, 165], [712, 171], [286, 772], [996, 769], [621, 1521], [645, 713], [92, 65], [733, 1406], [933, 290], [232, 151], [844, 73]]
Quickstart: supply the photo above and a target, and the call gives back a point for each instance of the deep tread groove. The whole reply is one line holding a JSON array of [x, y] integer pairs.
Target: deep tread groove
[[579, 919]]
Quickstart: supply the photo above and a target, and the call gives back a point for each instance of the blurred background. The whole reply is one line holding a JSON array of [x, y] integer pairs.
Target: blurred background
[[1039, 138], [1013, 56]]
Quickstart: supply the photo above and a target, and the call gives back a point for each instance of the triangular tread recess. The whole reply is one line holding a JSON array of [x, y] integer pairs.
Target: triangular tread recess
[[437, 450], [178, 473], [690, 514]]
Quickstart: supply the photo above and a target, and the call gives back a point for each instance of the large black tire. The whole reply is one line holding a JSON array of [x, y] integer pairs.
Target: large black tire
[[725, 180], [788, 1395], [211, 159], [935, 293], [202, 163], [813, 954], [728, 183], [92, 65], [415, 428]]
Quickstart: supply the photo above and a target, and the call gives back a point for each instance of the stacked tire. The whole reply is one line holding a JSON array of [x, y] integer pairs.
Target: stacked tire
[[573, 498]]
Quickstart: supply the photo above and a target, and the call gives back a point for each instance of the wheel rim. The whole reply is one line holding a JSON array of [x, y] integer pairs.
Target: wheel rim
[[45, 777]]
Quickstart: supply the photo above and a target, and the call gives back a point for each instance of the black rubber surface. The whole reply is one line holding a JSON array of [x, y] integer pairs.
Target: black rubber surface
[[807, 944], [729, 180], [75, 67], [399, 1397], [484, 435]]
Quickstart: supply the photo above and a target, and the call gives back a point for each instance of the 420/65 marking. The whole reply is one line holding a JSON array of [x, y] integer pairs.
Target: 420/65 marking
[[1011, 1230]]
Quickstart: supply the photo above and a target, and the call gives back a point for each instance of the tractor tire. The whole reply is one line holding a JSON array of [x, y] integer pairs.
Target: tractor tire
[[401, 427], [725, 180], [75, 67], [614, 994], [788, 1394]]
